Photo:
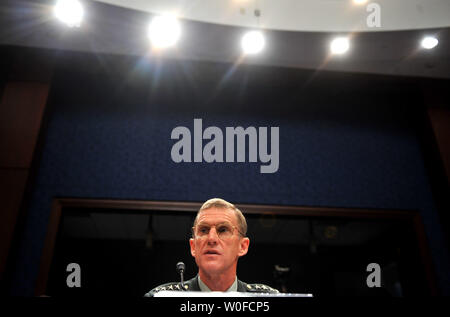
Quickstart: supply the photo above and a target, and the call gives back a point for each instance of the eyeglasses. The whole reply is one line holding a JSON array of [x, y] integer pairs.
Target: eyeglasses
[[223, 230]]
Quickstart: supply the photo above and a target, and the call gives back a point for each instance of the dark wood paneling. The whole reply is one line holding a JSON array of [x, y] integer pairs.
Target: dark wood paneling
[[435, 141], [21, 111], [425, 254], [440, 122], [49, 245], [26, 84], [12, 186]]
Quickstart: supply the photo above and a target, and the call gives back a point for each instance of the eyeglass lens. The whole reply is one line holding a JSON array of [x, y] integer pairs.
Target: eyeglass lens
[[223, 230]]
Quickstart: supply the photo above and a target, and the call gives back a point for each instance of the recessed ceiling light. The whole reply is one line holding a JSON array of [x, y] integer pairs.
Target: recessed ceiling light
[[70, 12], [340, 45], [253, 42], [429, 42], [164, 31]]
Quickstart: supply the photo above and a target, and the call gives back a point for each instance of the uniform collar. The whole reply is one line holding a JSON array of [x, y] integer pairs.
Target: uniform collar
[[204, 288]]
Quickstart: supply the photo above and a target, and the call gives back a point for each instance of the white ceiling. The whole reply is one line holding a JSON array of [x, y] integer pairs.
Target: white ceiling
[[302, 15], [212, 30]]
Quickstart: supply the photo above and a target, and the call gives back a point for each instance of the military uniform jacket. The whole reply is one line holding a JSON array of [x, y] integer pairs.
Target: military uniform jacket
[[192, 285]]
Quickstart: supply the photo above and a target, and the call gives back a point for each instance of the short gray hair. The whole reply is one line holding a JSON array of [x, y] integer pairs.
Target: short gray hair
[[221, 203]]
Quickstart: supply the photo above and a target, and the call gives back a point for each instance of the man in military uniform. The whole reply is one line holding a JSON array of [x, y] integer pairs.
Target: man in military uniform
[[218, 240]]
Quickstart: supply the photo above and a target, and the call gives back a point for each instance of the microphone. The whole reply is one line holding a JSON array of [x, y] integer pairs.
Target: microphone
[[180, 269]]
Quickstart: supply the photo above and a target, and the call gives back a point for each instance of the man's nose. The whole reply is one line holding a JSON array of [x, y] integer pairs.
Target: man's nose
[[213, 235]]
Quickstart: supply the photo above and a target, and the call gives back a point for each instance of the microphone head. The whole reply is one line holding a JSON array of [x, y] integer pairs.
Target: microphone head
[[180, 267]]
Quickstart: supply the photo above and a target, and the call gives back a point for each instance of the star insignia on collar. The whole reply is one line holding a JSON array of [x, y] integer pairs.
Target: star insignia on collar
[[170, 287], [249, 286]]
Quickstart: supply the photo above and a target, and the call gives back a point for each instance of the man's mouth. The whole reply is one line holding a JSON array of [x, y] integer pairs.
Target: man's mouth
[[211, 252]]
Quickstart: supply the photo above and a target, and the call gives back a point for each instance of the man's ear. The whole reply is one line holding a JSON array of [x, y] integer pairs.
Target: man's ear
[[192, 244], [243, 246]]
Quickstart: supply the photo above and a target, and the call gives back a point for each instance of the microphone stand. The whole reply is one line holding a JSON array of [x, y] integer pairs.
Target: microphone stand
[[180, 269]]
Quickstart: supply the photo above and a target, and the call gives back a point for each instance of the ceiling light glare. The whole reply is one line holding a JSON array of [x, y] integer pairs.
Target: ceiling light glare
[[164, 31], [359, 2], [70, 12], [253, 42], [429, 42], [339, 45]]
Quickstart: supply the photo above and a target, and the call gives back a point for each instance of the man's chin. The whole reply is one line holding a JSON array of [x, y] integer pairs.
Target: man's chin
[[212, 266]]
